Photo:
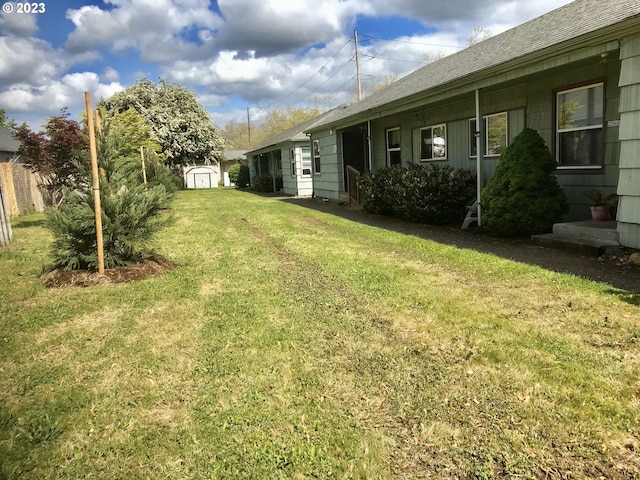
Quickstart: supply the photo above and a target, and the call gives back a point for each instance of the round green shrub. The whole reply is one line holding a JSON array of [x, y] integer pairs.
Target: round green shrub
[[263, 183], [435, 194], [432, 194], [523, 196], [378, 190], [239, 175]]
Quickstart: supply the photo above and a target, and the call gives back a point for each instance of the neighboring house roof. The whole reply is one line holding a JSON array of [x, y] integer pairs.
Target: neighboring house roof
[[295, 133], [7, 142], [235, 154], [570, 22]]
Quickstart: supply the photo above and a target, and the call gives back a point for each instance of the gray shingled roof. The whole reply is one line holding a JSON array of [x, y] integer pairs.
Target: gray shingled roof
[[7, 142], [234, 154], [563, 24], [295, 133]]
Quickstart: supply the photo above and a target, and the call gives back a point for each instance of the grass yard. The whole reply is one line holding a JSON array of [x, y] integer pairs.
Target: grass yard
[[295, 344]]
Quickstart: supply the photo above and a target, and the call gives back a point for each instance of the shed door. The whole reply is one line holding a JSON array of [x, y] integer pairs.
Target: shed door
[[202, 180]]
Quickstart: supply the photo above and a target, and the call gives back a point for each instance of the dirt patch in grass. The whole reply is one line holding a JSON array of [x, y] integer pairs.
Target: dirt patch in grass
[[82, 278]]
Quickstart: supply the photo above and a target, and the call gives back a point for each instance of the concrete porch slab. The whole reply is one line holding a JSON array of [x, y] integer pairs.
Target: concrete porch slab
[[587, 237], [588, 229]]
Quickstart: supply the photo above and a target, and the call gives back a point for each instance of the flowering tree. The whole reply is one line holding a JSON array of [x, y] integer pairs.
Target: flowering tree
[[181, 125]]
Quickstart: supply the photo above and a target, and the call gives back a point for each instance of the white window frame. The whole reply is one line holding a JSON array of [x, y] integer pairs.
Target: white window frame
[[391, 150], [594, 126], [472, 131], [292, 161], [306, 162], [419, 134], [317, 166]]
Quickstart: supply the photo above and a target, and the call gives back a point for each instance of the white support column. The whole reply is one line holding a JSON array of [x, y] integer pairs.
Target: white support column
[[480, 135], [369, 157]]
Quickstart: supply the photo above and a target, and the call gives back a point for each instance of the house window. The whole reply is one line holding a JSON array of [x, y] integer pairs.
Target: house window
[[306, 162], [579, 127], [316, 156], [393, 147], [292, 160], [433, 143], [495, 135]]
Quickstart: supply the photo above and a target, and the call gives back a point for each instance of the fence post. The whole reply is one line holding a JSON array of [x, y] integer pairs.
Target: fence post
[[6, 234]]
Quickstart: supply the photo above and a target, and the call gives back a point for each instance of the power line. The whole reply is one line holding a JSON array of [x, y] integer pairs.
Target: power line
[[373, 57], [371, 37], [312, 76]]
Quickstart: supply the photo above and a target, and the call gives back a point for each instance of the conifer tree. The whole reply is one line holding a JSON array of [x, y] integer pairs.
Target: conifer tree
[[523, 196], [132, 213]]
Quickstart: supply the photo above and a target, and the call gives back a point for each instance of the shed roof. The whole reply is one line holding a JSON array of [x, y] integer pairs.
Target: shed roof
[[566, 23], [235, 154], [7, 142]]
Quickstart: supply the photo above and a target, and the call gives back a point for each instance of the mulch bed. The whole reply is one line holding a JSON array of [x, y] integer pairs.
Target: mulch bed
[[82, 278]]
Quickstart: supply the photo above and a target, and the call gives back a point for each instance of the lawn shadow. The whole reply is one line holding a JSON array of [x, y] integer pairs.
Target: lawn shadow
[[29, 223], [607, 270], [630, 298]]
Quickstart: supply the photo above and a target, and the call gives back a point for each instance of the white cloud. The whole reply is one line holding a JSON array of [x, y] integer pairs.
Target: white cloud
[[18, 24], [152, 27], [110, 74], [273, 26], [256, 52], [49, 98]]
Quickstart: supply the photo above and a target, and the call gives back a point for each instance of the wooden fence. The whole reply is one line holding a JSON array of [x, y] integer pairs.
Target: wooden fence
[[21, 189], [5, 220]]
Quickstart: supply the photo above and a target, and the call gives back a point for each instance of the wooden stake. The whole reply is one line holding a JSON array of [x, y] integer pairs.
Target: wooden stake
[[96, 182], [144, 170]]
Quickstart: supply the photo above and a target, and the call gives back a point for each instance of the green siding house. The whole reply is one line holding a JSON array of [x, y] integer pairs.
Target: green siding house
[[572, 74], [288, 155]]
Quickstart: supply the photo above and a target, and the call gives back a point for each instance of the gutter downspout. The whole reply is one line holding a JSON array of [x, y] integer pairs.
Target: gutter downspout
[[369, 144], [480, 135]]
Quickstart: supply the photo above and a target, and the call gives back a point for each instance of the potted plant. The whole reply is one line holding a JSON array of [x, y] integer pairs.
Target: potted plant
[[600, 204]]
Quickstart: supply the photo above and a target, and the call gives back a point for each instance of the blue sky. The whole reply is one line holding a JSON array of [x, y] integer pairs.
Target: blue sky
[[234, 53]]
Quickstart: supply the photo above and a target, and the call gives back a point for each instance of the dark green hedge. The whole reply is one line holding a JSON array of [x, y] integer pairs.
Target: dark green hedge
[[264, 183], [432, 194], [239, 175]]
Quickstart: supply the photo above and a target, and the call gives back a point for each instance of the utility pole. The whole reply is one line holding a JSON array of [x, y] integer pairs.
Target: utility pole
[[248, 126], [355, 36]]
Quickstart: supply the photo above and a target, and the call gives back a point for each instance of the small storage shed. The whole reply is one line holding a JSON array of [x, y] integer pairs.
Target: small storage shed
[[201, 176]]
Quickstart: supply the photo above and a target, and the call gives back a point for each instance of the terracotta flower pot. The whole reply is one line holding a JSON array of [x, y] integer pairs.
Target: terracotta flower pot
[[600, 213]]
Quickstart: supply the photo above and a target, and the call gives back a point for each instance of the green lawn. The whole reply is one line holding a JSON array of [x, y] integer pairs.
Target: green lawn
[[294, 344]]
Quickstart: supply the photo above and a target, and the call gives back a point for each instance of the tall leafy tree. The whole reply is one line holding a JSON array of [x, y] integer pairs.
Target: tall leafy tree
[[56, 153], [4, 121], [182, 126], [275, 120]]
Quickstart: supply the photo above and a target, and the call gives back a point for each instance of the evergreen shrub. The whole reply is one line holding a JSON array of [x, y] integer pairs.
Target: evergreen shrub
[[432, 194], [239, 175], [264, 183], [132, 213], [523, 197]]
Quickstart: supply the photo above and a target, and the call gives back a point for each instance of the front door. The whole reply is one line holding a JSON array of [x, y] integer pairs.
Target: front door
[[354, 150]]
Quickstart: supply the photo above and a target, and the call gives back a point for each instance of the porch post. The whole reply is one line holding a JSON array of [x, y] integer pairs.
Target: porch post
[[369, 144], [479, 153], [273, 170]]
